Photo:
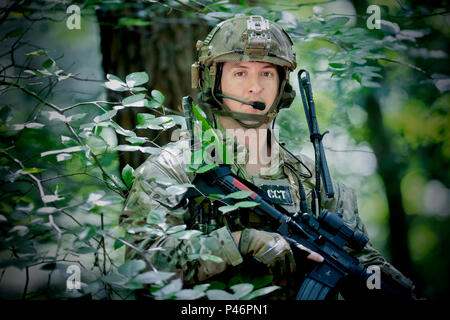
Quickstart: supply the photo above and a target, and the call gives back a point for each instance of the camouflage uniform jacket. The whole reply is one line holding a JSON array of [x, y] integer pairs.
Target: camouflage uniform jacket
[[157, 189]]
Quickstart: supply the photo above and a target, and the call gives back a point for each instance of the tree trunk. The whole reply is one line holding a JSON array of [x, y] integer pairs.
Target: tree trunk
[[165, 50], [390, 169]]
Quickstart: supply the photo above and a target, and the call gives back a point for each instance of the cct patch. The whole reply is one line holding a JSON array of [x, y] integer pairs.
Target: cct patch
[[278, 194]]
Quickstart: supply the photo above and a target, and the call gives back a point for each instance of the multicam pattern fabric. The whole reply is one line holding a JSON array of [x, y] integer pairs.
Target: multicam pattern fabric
[[157, 189]]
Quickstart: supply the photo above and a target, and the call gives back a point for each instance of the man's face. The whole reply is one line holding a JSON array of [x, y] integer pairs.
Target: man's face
[[251, 82]]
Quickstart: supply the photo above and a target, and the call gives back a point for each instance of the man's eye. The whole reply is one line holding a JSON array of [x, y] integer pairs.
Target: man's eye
[[239, 74], [267, 74]]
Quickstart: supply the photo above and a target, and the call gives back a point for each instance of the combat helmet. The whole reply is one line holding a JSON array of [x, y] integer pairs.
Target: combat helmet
[[242, 39]]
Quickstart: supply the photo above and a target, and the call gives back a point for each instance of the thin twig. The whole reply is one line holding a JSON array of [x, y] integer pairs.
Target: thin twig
[[408, 65], [103, 243], [27, 280]]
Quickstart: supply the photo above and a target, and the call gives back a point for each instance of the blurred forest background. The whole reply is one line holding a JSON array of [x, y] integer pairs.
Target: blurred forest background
[[77, 77]]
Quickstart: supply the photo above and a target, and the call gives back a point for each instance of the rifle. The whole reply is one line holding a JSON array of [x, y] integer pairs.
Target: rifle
[[321, 166], [327, 235]]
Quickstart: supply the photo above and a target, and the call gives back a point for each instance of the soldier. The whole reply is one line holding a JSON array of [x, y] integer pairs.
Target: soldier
[[242, 73]]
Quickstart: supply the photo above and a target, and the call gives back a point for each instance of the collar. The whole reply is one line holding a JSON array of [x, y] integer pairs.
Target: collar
[[241, 157]]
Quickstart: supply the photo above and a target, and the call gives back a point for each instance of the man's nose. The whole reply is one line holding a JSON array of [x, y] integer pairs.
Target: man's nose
[[255, 84]]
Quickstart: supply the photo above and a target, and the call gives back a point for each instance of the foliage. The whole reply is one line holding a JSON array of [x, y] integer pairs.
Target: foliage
[[62, 191]]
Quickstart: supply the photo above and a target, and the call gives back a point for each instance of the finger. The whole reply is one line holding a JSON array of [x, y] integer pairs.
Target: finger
[[291, 261], [278, 268], [314, 256]]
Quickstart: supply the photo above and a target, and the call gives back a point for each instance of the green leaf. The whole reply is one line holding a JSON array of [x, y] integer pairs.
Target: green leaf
[[156, 216], [86, 234], [49, 63], [137, 100], [106, 116], [55, 115], [239, 194], [143, 119], [201, 287], [66, 150], [132, 285], [189, 294], [136, 79], [128, 175], [262, 281], [149, 150], [156, 101], [159, 123], [179, 120], [226, 209], [240, 204], [97, 145], [114, 278], [30, 125], [26, 250], [138, 89], [206, 168], [36, 73], [32, 170], [46, 210], [357, 77], [137, 22], [337, 21], [125, 147], [260, 292], [337, 65], [21, 230], [51, 198], [92, 288], [176, 229], [85, 250], [122, 131], [115, 183], [153, 277], [131, 268], [5, 114], [217, 285], [36, 53], [115, 84], [169, 290], [118, 244], [199, 117], [15, 33], [95, 199], [136, 140], [246, 204], [112, 77], [219, 295], [215, 196], [242, 289]]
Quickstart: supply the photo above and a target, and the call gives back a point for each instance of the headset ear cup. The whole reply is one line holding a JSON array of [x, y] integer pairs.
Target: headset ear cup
[[287, 97], [207, 103]]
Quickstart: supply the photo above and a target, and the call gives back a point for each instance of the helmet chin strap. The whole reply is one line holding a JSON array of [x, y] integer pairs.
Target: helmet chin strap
[[239, 117]]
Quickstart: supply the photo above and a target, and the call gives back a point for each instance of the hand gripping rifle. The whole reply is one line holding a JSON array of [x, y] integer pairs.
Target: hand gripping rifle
[[326, 235]]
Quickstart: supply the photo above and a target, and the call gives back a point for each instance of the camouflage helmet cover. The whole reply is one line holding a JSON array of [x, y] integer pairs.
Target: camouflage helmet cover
[[243, 39]]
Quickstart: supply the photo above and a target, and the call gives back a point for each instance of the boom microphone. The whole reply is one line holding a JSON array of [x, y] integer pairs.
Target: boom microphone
[[257, 105]]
